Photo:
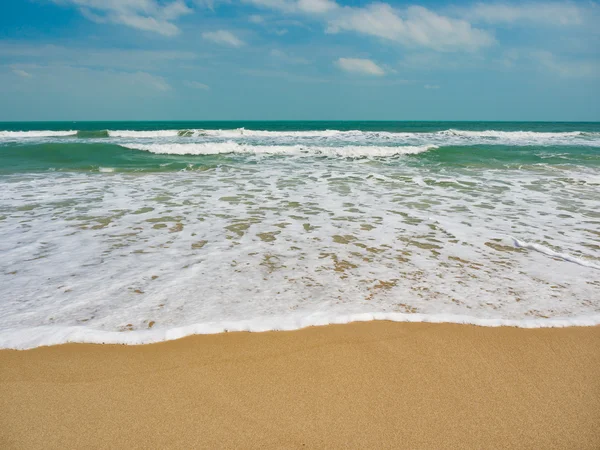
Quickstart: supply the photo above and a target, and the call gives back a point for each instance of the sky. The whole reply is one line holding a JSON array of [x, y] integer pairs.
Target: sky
[[299, 60]]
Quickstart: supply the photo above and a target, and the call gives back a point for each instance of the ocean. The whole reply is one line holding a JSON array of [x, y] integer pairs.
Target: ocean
[[138, 232]]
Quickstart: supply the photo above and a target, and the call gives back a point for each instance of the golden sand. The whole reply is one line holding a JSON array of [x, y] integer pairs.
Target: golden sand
[[363, 385]]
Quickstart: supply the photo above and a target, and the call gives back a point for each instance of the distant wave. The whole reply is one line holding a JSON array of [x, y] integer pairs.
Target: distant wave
[[243, 132], [354, 133], [295, 150], [444, 137], [513, 134], [36, 134], [448, 137], [145, 134]]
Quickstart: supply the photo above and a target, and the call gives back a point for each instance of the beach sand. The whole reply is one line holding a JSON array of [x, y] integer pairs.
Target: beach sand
[[361, 385]]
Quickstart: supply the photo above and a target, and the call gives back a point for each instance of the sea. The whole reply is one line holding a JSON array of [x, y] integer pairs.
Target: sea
[[139, 232]]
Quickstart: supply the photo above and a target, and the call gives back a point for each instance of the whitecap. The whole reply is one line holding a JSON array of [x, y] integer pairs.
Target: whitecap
[[36, 134], [294, 150]]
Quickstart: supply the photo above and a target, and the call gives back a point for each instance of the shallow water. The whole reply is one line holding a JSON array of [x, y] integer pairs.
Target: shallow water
[[142, 232]]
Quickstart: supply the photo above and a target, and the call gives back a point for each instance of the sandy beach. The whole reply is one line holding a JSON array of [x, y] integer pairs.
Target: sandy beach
[[362, 385]]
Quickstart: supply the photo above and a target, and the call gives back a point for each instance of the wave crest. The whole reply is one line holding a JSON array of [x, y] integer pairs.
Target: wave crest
[[293, 150], [144, 134], [449, 137], [34, 134], [444, 137]]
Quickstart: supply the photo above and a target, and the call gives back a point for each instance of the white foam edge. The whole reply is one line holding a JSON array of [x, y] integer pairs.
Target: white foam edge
[[27, 338], [549, 252], [240, 132], [512, 134], [36, 133], [217, 148], [143, 133]]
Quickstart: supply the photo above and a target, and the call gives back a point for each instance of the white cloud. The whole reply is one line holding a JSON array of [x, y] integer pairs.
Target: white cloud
[[147, 15], [285, 75], [281, 5], [271, 26], [297, 6], [256, 18], [196, 85], [287, 58], [566, 68], [431, 86], [278, 53], [111, 58], [443, 61], [223, 37], [414, 26], [357, 65], [210, 4], [420, 27], [66, 76], [549, 13], [21, 73], [84, 93], [152, 81], [316, 6]]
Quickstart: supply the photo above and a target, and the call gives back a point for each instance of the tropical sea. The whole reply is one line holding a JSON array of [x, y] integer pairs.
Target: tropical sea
[[137, 232]]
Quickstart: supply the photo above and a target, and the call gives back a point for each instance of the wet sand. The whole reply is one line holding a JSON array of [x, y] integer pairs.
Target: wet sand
[[362, 385]]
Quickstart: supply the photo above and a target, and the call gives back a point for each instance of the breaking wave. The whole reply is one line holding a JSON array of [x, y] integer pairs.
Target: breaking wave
[[509, 136], [146, 134], [294, 150], [438, 138], [35, 134]]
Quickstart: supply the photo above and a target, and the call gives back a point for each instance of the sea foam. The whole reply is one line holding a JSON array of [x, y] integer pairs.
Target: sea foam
[[296, 150], [316, 137], [444, 137], [23, 339], [35, 134], [143, 133], [554, 254], [288, 243], [114, 255]]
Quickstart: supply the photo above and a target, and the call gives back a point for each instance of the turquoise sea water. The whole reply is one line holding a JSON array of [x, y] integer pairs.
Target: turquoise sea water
[[198, 227], [90, 145]]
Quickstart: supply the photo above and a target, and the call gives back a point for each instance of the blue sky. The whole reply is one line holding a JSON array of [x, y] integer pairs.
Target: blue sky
[[299, 59]]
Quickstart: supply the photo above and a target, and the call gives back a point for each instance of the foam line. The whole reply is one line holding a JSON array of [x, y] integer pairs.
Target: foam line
[[34, 134], [27, 338], [296, 150], [443, 137], [143, 134]]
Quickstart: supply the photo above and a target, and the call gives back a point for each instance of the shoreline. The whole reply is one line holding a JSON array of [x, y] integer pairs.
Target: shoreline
[[375, 384], [46, 336]]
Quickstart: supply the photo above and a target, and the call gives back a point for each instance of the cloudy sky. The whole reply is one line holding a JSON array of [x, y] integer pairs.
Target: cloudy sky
[[299, 59]]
